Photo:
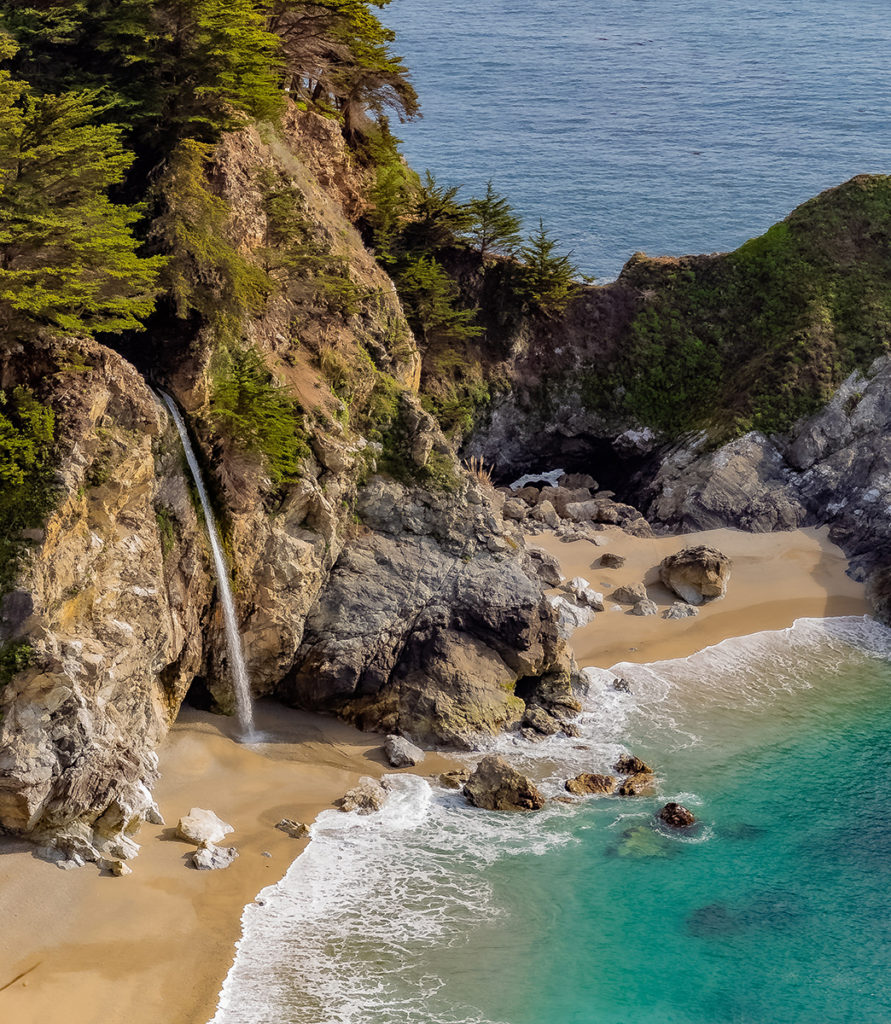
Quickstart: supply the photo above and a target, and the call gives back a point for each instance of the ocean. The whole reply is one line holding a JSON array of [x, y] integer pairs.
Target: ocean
[[774, 910], [662, 126], [668, 126]]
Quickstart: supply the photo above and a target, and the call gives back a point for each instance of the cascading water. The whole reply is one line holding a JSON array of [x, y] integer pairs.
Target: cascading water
[[240, 682]]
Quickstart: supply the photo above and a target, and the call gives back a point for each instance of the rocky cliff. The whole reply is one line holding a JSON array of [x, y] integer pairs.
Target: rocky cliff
[[400, 601]]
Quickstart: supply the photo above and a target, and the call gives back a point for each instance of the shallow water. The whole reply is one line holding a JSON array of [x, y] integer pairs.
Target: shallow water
[[775, 909], [668, 126]]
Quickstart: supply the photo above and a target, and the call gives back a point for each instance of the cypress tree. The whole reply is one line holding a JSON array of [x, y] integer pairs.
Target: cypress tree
[[495, 230], [68, 258], [548, 281]]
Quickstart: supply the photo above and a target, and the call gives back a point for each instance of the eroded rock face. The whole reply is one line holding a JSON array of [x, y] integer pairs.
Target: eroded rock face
[[696, 574], [496, 786], [422, 628], [110, 601]]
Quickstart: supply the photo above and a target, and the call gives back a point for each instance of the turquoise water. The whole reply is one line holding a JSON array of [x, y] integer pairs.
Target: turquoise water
[[668, 126], [775, 910]]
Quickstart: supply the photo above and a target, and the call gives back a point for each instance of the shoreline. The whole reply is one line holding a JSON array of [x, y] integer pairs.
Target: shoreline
[[81, 947]]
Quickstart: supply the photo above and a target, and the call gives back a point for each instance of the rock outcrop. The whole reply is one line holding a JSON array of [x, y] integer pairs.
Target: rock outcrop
[[676, 816], [496, 786], [696, 574], [587, 783]]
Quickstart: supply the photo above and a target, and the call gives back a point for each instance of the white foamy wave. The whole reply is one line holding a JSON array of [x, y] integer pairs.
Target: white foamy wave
[[354, 931]]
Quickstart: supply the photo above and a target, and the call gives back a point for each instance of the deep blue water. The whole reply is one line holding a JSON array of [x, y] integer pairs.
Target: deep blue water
[[667, 126]]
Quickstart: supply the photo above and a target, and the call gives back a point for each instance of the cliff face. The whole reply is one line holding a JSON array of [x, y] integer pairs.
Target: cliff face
[[107, 612], [400, 601]]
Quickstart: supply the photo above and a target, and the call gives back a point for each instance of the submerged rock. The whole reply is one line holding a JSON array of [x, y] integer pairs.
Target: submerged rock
[[366, 797], [696, 574], [640, 784], [213, 858], [621, 685], [676, 815], [590, 783], [454, 779], [201, 826], [641, 842], [401, 753], [496, 786]]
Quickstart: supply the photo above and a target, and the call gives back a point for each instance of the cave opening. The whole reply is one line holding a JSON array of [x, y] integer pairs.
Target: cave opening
[[620, 472]]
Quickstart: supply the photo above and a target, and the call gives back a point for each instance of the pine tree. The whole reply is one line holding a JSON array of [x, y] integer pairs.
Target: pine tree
[[438, 219], [495, 230], [548, 281], [430, 297], [68, 258]]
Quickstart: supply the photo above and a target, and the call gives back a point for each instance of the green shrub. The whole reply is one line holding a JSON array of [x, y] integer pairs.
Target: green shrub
[[256, 412]]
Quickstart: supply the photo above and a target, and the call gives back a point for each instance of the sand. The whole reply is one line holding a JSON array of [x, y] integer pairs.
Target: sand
[[776, 579], [79, 947]]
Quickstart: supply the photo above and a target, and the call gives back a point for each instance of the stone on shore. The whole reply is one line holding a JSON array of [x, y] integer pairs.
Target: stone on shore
[[496, 786], [645, 607], [630, 594], [202, 826], [401, 753], [677, 816], [366, 797], [608, 560], [583, 593], [680, 610], [454, 779], [696, 574], [294, 829], [213, 858], [570, 616], [588, 782]]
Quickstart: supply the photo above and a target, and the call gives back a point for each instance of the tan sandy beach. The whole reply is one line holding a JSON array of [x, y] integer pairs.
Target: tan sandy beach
[[776, 579], [79, 947]]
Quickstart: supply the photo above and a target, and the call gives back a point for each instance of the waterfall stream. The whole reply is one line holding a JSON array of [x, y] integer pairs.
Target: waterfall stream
[[240, 682]]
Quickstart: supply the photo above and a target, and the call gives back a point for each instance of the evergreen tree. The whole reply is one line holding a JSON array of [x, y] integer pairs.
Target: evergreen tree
[[495, 230], [68, 258], [438, 219], [548, 281], [430, 297]]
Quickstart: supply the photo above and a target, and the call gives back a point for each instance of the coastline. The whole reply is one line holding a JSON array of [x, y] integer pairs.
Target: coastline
[[82, 947]]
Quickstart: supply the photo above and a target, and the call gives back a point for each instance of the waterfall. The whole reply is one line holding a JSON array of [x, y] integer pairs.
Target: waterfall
[[240, 682]]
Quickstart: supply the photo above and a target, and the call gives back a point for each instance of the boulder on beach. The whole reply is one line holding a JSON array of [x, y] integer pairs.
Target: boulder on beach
[[645, 607], [402, 753], [294, 829], [630, 594], [213, 858], [366, 797], [201, 826], [608, 560], [583, 593], [680, 610], [588, 782], [570, 616], [676, 815], [696, 574], [496, 786]]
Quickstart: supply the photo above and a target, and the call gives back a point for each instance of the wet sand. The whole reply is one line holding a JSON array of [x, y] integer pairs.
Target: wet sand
[[83, 947], [776, 579]]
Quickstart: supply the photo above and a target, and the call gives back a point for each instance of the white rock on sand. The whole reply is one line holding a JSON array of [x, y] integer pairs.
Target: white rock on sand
[[200, 826]]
